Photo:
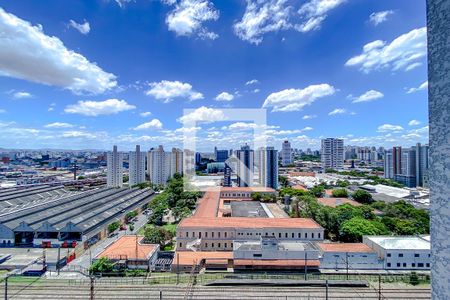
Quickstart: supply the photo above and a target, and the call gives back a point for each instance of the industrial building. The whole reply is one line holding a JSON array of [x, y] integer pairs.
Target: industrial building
[[53, 216]]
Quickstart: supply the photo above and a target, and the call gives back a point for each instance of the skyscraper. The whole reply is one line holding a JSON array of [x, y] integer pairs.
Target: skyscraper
[[162, 165], [227, 175], [245, 167], [286, 153], [268, 167], [422, 162], [221, 155], [114, 165], [332, 154], [136, 166]]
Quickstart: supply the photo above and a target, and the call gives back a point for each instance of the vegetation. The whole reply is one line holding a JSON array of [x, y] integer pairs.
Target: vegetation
[[413, 278], [257, 196], [126, 178], [143, 185], [362, 196], [283, 181], [113, 226], [81, 177], [310, 158], [339, 193], [102, 265], [157, 235], [352, 230], [130, 215], [404, 219], [318, 191], [371, 179]]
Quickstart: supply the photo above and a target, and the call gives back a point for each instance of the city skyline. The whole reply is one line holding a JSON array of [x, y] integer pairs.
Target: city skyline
[[136, 82]]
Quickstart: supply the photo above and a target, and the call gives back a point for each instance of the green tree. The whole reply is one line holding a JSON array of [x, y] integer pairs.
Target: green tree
[[256, 196], [413, 278], [283, 181], [342, 183], [339, 193], [352, 230], [156, 235], [317, 191], [102, 265], [362, 196], [113, 226]]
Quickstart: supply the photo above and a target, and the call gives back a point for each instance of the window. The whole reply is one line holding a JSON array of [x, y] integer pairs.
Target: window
[[218, 234], [200, 235], [420, 265], [388, 255], [206, 245], [225, 234], [225, 245], [187, 234], [193, 234], [299, 235], [404, 265], [231, 245], [400, 255], [286, 235], [413, 265], [416, 255], [212, 245], [428, 265], [293, 235], [206, 234], [181, 245], [257, 255], [212, 234], [389, 265], [218, 245], [312, 235], [398, 265], [279, 235], [318, 235], [306, 235]]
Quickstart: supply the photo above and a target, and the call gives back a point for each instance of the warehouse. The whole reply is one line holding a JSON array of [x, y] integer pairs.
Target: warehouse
[[52, 216]]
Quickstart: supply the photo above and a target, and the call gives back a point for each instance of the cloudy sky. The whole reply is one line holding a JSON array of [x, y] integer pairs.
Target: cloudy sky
[[90, 74]]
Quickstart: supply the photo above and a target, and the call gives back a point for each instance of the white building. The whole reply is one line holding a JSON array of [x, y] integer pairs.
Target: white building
[[268, 167], [286, 154], [114, 168], [161, 165], [136, 166], [245, 167], [354, 256], [332, 154], [401, 252]]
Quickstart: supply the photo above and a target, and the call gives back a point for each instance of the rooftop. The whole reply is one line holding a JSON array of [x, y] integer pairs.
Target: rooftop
[[344, 247], [129, 247], [400, 242], [189, 257], [240, 222], [248, 189]]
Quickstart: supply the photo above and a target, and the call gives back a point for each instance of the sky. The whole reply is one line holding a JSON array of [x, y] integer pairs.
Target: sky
[[91, 74]]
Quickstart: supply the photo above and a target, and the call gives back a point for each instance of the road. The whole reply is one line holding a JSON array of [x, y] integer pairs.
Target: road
[[84, 261]]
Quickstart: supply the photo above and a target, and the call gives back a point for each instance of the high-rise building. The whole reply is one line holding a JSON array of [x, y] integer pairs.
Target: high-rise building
[[221, 155], [286, 153], [422, 162], [114, 168], [136, 166], [332, 154], [227, 175], [161, 165], [245, 167], [389, 164], [268, 167]]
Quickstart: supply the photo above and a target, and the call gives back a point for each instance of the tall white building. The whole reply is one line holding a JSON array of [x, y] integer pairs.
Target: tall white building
[[422, 162], [136, 166], [245, 168], [268, 167], [286, 153], [161, 165], [332, 154], [115, 168]]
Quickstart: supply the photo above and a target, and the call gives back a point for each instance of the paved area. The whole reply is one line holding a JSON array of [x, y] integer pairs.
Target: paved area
[[276, 210]]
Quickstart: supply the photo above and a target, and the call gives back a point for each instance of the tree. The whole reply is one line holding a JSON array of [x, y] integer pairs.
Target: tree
[[352, 230], [102, 265], [156, 235], [342, 183], [256, 196], [362, 196], [126, 178], [317, 191], [414, 278], [113, 226], [339, 193], [131, 227], [283, 181]]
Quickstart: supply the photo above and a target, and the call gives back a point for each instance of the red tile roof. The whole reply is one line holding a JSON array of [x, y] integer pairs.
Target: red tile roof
[[189, 257], [208, 205], [345, 247], [242, 222], [125, 248]]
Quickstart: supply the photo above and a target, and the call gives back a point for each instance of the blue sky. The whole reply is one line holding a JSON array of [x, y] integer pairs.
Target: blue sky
[[90, 74]]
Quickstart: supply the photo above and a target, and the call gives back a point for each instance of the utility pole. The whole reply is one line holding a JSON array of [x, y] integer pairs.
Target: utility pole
[[178, 268], [379, 286], [92, 287], [306, 265], [6, 287], [59, 259], [346, 261], [326, 289]]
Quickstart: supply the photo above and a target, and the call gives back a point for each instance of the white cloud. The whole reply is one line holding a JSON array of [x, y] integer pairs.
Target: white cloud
[[315, 12], [145, 114], [414, 123], [264, 16], [380, 17], [27, 53], [338, 111], [58, 125], [368, 96], [153, 124], [82, 28], [203, 114], [402, 53], [422, 87], [188, 16], [389, 128], [256, 91], [296, 99], [2, 111], [21, 95], [168, 90], [413, 66], [96, 108], [307, 117], [224, 96], [122, 3], [78, 134], [253, 81]]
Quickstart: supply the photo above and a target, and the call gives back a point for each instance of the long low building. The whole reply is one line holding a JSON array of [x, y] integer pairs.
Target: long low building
[[68, 219]]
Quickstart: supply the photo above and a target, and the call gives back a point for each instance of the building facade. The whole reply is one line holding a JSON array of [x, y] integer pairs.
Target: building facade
[[332, 154], [245, 166], [268, 167], [114, 168], [286, 154], [136, 171]]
